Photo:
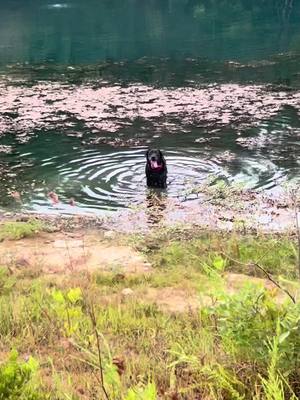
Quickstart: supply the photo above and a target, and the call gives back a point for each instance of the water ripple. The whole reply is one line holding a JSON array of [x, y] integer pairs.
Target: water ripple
[[99, 181]]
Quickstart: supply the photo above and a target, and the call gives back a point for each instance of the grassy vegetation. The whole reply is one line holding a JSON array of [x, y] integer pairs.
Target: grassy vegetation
[[14, 230], [79, 337]]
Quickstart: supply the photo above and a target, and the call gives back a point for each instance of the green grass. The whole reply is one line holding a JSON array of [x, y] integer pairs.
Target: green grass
[[244, 344], [278, 255], [15, 230]]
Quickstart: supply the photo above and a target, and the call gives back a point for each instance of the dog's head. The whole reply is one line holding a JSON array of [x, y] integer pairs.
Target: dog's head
[[155, 159]]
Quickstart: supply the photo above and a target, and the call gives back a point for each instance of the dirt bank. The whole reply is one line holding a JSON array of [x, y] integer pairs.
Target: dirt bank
[[206, 208]]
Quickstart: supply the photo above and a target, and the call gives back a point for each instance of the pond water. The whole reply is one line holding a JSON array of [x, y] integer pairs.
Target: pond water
[[87, 87]]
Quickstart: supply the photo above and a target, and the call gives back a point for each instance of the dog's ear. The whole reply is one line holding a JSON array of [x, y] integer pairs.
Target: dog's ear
[[147, 153], [162, 156]]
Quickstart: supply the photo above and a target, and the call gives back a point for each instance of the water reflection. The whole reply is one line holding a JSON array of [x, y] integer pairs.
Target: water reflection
[[156, 202], [79, 32]]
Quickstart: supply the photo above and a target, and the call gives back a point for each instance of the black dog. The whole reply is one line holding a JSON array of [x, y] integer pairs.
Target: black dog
[[156, 169]]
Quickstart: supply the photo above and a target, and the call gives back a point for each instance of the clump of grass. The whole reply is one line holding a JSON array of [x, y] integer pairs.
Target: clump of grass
[[218, 191], [7, 281], [227, 252], [15, 230], [117, 281]]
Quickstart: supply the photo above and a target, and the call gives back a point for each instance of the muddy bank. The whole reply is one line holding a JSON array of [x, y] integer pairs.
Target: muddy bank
[[63, 252], [245, 211]]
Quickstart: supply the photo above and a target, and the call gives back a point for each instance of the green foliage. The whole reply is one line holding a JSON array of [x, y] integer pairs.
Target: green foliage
[[224, 381], [17, 379], [241, 344], [275, 385], [208, 253], [18, 312], [215, 266], [68, 308], [190, 254], [147, 392], [7, 282], [18, 230], [276, 254], [245, 319]]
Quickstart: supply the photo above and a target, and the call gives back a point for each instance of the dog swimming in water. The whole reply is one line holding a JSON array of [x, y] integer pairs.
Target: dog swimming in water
[[156, 169]]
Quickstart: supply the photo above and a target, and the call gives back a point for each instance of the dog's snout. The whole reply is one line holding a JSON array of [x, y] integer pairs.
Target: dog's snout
[[153, 158]]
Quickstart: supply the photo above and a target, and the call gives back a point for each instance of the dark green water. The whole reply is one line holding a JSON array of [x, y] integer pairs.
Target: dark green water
[[86, 87], [90, 31]]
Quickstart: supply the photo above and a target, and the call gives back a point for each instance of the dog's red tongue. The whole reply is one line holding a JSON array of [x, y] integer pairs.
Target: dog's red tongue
[[154, 164]]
